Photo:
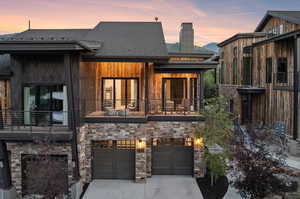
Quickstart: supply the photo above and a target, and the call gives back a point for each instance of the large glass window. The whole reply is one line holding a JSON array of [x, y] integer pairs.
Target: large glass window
[[282, 76], [269, 70], [174, 93], [120, 94], [45, 105], [234, 71], [247, 71]]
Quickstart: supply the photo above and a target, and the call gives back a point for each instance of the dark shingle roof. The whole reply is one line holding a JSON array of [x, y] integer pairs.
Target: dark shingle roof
[[291, 16], [240, 36], [129, 39], [71, 34]]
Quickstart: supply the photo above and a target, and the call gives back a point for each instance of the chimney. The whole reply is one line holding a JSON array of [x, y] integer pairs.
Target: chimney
[[186, 38]]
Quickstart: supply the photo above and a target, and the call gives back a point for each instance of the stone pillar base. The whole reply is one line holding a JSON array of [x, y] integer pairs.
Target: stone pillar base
[[76, 190], [293, 147], [141, 180], [8, 193]]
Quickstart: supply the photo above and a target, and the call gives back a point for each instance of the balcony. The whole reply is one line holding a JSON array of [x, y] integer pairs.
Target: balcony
[[28, 125], [141, 111]]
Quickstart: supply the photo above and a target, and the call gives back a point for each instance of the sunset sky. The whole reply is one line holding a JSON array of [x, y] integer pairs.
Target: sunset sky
[[214, 20]]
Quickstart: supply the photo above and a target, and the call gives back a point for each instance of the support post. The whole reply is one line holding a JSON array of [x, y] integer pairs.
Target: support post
[[146, 90], [200, 83], [73, 122], [296, 87]]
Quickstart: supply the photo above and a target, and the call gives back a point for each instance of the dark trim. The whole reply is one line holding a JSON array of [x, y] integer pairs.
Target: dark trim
[[296, 90], [114, 120], [158, 118], [191, 55], [70, 90], [241, 36], [8, 136], [86, 58], [146, 90], [184, 118], [251, 90]]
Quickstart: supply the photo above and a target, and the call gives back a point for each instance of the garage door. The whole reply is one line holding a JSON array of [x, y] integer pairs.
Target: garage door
[[113, 159], [172, 156], [40, 171]]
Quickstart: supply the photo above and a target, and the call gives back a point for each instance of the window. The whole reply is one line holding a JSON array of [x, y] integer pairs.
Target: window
[[282, 70], [234, 71], [281, 28], [235, 51], [269, 70], [120, 94], [174, 93], [221, 75], [247, 71], [45, 104]]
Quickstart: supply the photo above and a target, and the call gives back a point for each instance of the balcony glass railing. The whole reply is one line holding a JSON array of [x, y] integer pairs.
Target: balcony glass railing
[[46, 121], [139, 108]]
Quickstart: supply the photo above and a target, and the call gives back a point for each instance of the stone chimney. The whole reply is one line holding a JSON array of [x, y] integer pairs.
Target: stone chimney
[[186, 38]]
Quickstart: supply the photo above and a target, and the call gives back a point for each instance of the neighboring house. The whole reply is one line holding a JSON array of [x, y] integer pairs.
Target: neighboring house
[[259, 71], [113, 101]]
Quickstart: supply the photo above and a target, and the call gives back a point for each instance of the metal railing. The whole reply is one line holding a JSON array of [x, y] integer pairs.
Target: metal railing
[[30, 121], [138, 108]]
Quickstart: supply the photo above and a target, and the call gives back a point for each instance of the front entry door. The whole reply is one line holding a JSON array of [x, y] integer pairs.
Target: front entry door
[[246, 109]]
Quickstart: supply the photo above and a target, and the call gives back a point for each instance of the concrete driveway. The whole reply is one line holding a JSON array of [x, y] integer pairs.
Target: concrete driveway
[[157, 187]]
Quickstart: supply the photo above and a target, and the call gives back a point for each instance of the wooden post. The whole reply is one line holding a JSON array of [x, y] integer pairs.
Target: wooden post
[[296, 87], [201, 89], [146, 90], [73, 122]]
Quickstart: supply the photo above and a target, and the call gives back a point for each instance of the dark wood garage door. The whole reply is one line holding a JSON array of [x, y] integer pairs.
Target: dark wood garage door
[[172, 156], [40, 173], [113, 159]]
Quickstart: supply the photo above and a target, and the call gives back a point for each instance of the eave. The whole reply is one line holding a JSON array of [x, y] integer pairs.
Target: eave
[[251, 90], [185, 66], [278, 37]]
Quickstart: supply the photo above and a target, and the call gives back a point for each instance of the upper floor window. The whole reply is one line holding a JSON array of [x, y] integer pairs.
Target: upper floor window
[[269, 70], [247, 71], [120, 94], [234, 71], [281, 29], [221, 74], [235, 51], [282, 76]]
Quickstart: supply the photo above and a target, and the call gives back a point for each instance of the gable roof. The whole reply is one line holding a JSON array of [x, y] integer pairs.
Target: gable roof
[[129, 39], [242, 36], [291, 16]]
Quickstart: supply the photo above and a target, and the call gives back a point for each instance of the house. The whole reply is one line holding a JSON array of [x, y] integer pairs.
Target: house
[[111, 102], [259, 71]]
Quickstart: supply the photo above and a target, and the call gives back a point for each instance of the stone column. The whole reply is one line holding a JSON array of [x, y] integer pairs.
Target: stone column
[[140, 163], [199, 166]]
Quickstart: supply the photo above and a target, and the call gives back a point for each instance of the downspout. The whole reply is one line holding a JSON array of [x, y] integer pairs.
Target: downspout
[[296, 88], [68, 62]]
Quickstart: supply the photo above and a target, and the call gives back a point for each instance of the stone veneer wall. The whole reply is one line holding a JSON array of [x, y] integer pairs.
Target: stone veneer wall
[[131, 131], [19, 149]]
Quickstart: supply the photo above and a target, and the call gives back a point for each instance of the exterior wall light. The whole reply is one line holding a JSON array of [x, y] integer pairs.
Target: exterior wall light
[[199, 142], [141, 145]]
